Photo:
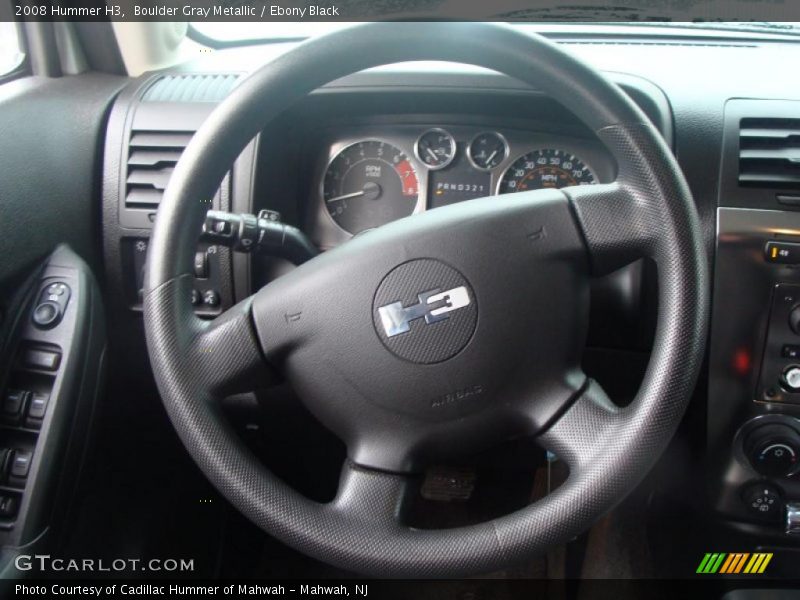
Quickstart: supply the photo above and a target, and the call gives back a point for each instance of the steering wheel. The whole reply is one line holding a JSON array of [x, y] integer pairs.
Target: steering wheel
[[438, 334]]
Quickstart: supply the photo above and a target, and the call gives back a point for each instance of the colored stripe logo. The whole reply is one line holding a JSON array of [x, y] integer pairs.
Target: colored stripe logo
[[734, 563]]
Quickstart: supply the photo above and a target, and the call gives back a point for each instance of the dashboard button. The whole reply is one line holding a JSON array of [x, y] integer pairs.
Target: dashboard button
[[762, 499], [790, 351], [47, 314], [9, 504], [791, 379], [38, 405], [211, 298], [21, 463], [13, 404], [201, 265], [41, 359], [782, 253]]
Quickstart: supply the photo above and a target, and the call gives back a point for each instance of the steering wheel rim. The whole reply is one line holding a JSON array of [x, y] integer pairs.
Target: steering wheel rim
[[647, 212]]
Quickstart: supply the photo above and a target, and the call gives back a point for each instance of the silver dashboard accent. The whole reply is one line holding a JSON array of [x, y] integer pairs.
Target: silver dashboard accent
[[434, 305], [451, 141], [793, 518], [504, 144]]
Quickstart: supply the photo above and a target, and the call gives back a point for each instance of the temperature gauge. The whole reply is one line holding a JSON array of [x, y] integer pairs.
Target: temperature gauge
[[487, 150]]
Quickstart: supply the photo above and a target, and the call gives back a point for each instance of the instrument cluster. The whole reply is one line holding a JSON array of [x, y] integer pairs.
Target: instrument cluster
[[370, 176]]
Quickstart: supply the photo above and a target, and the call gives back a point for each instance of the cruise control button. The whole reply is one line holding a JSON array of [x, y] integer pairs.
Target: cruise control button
[[201, 265], [211, 298]]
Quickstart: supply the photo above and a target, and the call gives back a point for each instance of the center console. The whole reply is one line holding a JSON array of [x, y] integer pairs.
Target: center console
[[754, 387]]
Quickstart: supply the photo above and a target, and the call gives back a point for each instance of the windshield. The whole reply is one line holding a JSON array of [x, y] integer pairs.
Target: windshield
[[286, 31]]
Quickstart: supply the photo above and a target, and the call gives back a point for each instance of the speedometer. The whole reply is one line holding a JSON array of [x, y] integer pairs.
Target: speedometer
[[369, 184], [545, 168]]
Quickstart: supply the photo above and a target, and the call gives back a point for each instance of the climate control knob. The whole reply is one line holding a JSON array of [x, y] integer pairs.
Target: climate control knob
[[774, 449], [794, 319]]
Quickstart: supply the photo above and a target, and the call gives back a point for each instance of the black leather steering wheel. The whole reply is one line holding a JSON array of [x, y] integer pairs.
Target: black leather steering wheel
[[484, 345]]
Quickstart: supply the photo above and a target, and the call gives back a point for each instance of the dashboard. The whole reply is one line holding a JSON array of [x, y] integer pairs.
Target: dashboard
[[367, 176], [384, 144]]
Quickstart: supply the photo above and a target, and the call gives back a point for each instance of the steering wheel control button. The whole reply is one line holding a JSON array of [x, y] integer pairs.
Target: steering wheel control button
[[791, 378], [425, 311], [201, 265], [786, 253], [762, 499], [211, 298]]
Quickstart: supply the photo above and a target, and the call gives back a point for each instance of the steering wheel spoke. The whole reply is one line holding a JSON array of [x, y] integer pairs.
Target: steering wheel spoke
[[579, 434], [374, 498], [614, 225], [223, 353]]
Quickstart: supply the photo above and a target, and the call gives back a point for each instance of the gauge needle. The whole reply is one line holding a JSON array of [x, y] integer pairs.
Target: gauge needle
[[432, 154], [347, 196], [491, 156]]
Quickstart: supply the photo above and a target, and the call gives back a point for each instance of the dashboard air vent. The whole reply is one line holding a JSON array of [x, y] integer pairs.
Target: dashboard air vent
[[191, 88], [152, 156], [769, 153]]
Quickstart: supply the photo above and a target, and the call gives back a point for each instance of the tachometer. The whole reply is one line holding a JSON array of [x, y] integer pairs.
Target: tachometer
[[545, 168], [369, 184]]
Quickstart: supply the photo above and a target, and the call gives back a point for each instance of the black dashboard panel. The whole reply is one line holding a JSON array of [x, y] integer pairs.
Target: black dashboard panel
[[459, 180]]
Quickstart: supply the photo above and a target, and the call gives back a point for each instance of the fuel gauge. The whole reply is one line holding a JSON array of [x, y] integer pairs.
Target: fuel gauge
[[436, 148]]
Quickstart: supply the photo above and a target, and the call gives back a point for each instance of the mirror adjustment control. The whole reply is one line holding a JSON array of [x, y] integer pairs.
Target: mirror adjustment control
[[46, 314], [51, 305]]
